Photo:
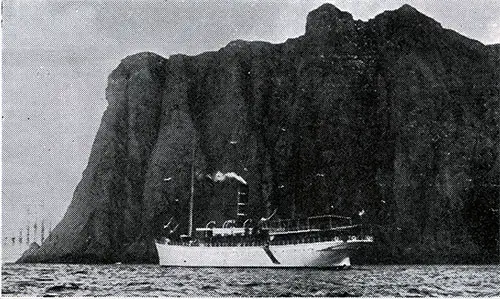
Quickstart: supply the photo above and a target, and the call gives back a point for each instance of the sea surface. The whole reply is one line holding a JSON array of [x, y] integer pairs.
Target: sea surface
[[153, 280]]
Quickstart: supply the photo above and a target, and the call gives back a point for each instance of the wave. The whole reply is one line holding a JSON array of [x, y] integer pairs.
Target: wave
[[135, 283], [62, 287], [146, 280]]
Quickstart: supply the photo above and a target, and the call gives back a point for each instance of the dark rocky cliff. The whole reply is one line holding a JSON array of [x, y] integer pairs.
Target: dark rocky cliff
[[396, 116]]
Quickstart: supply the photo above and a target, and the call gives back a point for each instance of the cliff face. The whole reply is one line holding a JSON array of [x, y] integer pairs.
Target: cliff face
[[396, 116]]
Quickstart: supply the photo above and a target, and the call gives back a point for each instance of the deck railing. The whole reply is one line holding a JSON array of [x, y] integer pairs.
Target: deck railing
[[310, 223], [305, 240]]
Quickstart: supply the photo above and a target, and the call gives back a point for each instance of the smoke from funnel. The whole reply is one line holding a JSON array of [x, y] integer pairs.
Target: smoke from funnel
[[219, 177]]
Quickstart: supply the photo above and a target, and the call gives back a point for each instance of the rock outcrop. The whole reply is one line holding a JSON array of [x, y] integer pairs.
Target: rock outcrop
[[396, 116], [32, 249]]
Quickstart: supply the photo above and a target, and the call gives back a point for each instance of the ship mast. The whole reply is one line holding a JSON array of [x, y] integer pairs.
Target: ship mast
[[50, 230], [35, 230], [42, 237], [191, 199], [28, 214]]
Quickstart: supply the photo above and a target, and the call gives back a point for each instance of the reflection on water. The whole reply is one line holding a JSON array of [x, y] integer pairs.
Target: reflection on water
[[152, 280]]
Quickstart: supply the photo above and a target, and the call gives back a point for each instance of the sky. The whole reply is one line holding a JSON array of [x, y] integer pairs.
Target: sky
[[56, 56]]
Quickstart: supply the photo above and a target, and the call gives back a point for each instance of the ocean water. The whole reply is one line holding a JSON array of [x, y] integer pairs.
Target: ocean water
[[153, 280]]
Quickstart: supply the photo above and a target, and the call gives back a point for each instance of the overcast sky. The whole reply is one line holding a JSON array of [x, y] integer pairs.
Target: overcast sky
[[57, 56]]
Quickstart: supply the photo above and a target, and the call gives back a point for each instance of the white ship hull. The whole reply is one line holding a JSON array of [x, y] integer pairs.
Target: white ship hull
[[328, 254]]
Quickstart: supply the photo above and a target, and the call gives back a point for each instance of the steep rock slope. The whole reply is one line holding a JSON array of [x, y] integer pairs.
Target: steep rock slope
[[395, 116]]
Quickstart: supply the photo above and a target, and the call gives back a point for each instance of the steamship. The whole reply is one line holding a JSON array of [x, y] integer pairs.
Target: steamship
[[315, 242]]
